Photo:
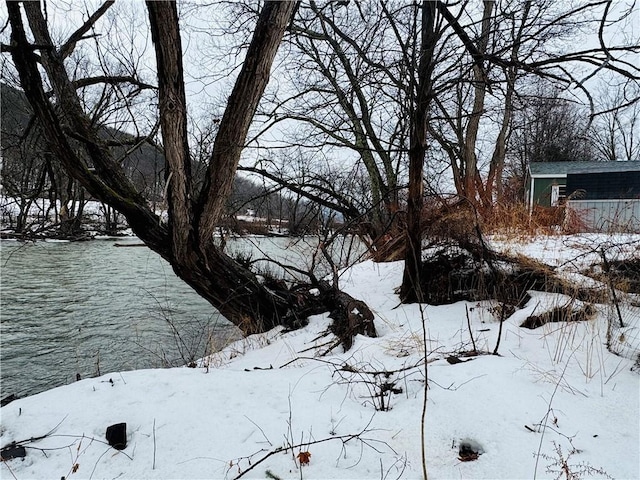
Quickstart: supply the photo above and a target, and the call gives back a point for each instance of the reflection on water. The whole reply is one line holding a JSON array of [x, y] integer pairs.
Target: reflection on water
[[87, 308]]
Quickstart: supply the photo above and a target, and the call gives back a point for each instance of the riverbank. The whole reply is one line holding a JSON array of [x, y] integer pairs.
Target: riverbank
[[554, 401], [83, 308], [126, 234]]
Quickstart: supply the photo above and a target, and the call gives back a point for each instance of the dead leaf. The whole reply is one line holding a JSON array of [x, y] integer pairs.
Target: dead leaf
[[304, 458], [468, 457]]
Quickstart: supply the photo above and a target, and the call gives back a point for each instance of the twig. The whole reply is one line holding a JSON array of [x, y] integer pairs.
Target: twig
[[546, 417], [261, 431], [6, 464], [502, 319], [98, 461], [93, 439], [473, 342], [290, 427], [34, 439], [343, 438], [402, 460], [348, 368], [153, 467], [453, 388], [312, 347], [309, 358], [605, 262], [423, 416], [45, 450], [568, 437]]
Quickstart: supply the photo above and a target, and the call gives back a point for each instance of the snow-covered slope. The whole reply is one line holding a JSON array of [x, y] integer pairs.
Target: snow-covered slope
[[553, 398]]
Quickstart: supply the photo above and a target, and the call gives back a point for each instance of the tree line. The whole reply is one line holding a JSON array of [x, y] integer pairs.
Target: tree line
[[31, 173]]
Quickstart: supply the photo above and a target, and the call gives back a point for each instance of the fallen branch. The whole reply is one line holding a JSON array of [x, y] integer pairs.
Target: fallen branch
[[35, 439], [344, 438]]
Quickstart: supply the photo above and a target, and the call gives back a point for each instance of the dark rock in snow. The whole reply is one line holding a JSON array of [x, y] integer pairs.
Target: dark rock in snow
[[12, 451], [117, 436]]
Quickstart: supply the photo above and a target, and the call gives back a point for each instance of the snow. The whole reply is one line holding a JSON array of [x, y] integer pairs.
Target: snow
[[11, 206], [553, 393]]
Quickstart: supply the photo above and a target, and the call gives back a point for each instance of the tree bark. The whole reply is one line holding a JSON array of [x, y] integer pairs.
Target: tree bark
[[411, 289], [163, 19], [473, 190], [241, 106]]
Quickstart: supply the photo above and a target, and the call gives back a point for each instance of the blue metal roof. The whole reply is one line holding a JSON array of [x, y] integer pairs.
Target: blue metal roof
[[563, 168]]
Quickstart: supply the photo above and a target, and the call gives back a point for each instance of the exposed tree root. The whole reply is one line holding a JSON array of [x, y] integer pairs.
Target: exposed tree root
[[565, 313], [350, 316], [471, 271]]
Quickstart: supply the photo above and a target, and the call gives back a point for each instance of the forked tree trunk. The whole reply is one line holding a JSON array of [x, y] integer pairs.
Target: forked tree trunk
[[187, 240], [231, 288]]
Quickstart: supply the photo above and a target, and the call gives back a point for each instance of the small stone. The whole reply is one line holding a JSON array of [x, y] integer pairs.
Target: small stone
[[117, 436]]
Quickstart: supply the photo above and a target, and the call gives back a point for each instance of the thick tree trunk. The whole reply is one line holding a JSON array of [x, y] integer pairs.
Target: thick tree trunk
[[232, 289], [163, 19], [494, 180], [473, 188]]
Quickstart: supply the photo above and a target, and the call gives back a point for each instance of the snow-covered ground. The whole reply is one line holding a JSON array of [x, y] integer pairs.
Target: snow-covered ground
[[554, 402]]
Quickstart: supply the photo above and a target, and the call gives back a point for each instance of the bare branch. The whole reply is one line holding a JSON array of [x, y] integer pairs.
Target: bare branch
[[342, 205], [79, 34], [113, 80]]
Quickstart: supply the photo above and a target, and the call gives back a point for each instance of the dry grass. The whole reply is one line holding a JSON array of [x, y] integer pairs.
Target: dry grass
[[446, 219], [515, 220]]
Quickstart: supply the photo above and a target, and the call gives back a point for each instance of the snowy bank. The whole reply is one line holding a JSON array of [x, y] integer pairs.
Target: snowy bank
[[554, 398]]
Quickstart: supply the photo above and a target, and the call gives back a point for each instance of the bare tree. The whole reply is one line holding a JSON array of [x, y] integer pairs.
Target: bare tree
[[615, 129], [367, 82], [48, 201], [550, 128], [356, 69], [509, 46], [349, 80], [411, 289], [545, 128], [24, 170], [187, 239], [500, 50]]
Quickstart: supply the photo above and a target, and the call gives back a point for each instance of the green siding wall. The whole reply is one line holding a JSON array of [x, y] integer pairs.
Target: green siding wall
[[542, 190]]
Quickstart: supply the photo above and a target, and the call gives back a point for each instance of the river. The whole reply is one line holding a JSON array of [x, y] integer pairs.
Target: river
[[89, 308]]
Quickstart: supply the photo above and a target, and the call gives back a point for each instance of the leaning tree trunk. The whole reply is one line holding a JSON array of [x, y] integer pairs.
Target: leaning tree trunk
[[186, 242]]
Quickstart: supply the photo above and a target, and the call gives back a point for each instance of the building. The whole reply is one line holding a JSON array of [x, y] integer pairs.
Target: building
[[604, 196]]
